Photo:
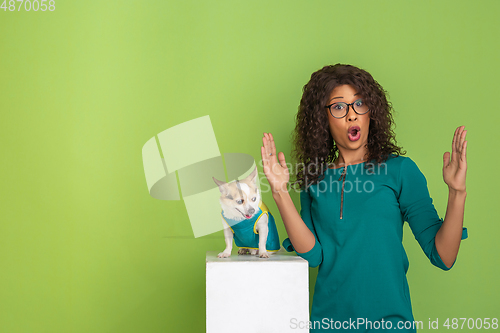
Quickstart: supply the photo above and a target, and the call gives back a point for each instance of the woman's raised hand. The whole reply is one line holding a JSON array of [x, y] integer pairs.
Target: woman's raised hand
[[276, 172], [454, 171]]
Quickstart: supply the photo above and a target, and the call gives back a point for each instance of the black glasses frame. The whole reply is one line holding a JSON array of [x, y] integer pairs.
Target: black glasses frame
[[329, 107]]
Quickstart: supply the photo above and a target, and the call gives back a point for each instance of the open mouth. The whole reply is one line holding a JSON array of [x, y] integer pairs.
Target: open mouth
[[247, 216], [354, 133]]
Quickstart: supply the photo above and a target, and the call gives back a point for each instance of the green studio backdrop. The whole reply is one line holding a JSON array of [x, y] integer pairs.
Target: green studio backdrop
[[85, 248]]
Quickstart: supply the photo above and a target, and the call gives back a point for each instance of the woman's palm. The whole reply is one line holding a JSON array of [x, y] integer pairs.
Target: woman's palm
[[454, 171], [276, 172]]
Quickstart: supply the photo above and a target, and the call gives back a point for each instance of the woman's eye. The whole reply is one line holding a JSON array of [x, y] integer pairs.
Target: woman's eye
[[239, 201], [359, 103], [338, 107], [254, 198]]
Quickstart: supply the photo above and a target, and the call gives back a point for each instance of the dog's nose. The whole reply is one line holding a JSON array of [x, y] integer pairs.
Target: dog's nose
[[251, 211]]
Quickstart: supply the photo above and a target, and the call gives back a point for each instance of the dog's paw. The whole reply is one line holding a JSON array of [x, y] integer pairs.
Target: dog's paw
[[263, 254], [224, 255], [253, 252], [243, 251]]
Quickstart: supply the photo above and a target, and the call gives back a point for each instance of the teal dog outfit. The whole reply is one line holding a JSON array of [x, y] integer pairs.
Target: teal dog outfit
[[246, 234]]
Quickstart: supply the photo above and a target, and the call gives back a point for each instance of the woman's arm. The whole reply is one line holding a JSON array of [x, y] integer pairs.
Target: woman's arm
[[454, 172], [448, 237], [301, 237]]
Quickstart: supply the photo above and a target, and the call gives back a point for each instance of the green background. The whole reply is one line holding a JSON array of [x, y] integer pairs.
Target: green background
[[84, 248]]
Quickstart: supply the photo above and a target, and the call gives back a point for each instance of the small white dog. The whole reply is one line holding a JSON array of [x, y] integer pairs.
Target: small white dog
[[246, 218]]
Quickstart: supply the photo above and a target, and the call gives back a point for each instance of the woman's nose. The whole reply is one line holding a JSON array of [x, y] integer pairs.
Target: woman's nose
[[351, 115]]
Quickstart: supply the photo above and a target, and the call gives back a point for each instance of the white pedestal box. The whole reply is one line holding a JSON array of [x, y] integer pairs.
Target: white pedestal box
[[248, 294]]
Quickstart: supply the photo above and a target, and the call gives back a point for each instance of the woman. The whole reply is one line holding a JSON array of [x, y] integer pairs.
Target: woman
[[357, 191]]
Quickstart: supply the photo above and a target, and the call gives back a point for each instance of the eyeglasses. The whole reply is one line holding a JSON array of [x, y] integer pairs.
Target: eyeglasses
[[341, 109]]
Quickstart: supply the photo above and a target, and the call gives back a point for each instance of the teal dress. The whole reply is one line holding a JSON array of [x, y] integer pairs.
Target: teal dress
[[362, 262]]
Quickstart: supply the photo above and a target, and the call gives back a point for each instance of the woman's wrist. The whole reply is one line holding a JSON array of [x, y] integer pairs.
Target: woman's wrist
[[279, 195], [456, 193]]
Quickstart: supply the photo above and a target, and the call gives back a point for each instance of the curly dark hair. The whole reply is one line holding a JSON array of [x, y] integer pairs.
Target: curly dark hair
[[314, 148]]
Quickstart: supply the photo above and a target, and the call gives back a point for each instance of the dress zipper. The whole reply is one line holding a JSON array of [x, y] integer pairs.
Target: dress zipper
[[342, 195]]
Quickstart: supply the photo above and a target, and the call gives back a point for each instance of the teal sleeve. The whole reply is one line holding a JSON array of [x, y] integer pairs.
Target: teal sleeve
[[417, 209], [315, 255]]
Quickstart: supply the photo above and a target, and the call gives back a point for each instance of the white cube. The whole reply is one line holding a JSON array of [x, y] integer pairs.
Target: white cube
[[248, 294]]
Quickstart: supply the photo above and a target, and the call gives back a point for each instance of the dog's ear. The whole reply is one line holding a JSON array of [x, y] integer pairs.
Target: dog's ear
[[252, 177], [222, 186]]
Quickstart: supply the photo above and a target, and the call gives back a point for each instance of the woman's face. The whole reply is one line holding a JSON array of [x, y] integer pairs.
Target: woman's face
[[351, 132]]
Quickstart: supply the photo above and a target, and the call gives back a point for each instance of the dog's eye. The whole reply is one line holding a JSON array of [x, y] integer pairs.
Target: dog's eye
[[254, 198], [239, 201]]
